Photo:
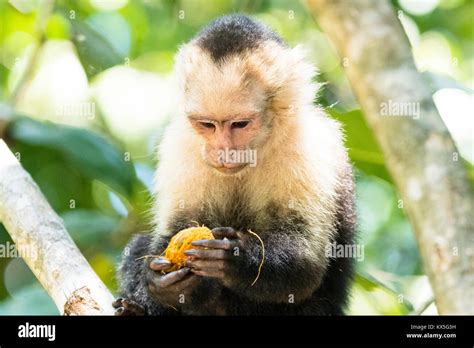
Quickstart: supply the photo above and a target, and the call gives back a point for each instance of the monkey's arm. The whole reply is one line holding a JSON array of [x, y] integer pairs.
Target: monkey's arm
[[293, 268], [133, 276], [144, 289]]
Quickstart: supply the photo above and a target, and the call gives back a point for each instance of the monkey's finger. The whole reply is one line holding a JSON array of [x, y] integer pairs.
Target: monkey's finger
[[133, 308], [117, 303], [190, 281], [205, 264], [160, 264], [224, 232], [225, 244], [210, 254], [212, 273], [172, 277]]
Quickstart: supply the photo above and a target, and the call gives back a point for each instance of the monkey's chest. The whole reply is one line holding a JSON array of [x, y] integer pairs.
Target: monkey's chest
[[237, 213]]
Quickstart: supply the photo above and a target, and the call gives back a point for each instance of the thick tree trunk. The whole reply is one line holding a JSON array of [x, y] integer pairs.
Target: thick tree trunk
[[41, 238], [418, 148]]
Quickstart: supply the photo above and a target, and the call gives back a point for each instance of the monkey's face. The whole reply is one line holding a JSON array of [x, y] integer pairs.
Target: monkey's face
[[228, 141], [225, 106]]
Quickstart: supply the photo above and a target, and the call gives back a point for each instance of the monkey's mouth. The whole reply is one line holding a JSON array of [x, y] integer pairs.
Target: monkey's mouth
[[229, 170]]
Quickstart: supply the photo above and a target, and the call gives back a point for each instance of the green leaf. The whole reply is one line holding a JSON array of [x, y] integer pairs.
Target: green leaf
[[112, 27], [95, 52], [364, 150], [368, 282], [90, 153], [88, 226]]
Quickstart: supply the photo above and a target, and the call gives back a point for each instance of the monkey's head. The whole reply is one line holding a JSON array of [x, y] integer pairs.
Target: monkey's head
[[239, 82]]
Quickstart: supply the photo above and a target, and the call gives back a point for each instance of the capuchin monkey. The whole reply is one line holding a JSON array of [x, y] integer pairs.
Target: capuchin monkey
[[247, 151]]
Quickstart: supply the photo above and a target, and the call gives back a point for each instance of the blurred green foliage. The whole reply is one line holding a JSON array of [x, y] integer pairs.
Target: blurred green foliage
[[87, 152], [99, 178]]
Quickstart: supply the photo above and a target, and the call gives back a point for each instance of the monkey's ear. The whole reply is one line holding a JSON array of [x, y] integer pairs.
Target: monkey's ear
[[303, 73], [287, 74], [185, 54], [187, 59], [282, 65], [298, 57]]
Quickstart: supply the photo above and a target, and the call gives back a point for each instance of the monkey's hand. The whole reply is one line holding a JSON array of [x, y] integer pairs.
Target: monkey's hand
[[171, 288], [225, 259], [126, 307]]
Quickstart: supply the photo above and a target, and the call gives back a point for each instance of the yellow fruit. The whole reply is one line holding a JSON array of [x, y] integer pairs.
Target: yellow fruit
[[181, 241]]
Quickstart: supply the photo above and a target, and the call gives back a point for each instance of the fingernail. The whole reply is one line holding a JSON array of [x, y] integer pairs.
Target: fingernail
[[160, 262], [197, 242], [190, 252]]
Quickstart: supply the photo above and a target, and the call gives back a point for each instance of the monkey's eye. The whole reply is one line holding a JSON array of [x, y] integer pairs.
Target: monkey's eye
[[207, 125], [240, 124]]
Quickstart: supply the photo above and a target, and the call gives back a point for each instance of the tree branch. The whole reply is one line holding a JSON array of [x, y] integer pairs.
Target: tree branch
[[39, 234], [419, 152]]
